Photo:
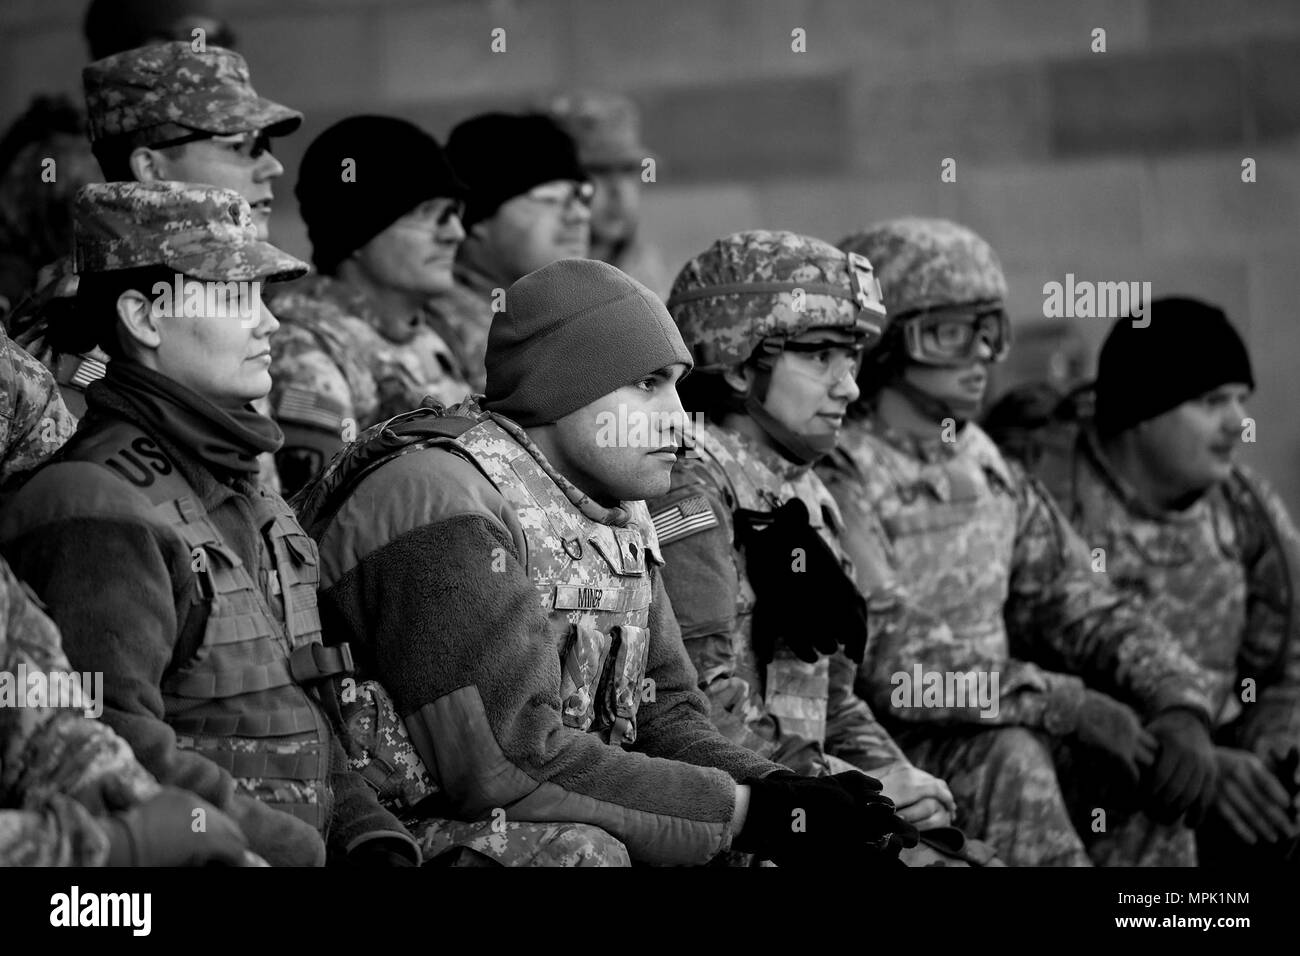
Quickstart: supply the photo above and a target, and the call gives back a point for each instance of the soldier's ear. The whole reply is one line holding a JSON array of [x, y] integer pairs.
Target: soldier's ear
[[136, 314], [147, 165], [740, 377]]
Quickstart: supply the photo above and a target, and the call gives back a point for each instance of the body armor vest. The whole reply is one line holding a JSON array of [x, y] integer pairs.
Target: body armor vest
[[240, 700], [952, 525], [1187, 568], [592, 577], [793, 691]]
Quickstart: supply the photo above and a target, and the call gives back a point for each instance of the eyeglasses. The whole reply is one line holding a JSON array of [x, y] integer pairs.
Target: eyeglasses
[[562, 195], [826, 362], [250, 145], [952, 336], [432, 214]]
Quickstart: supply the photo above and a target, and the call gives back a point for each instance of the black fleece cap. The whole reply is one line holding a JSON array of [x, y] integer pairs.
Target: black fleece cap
[[1189, 348], [397, 166], [500, 156]]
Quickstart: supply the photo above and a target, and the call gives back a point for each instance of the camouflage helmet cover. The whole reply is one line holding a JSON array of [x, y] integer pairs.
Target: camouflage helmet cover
[[760, 285], [929, 263], [201, 231]]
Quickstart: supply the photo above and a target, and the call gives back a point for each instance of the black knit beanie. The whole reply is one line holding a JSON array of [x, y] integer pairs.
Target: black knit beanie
[[500, 156], [1188, 349], [571, 332], [397, 166]]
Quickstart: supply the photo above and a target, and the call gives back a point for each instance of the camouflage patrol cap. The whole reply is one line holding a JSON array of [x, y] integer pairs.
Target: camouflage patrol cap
[[758, 285], [604, 126], [926, 263], [200, 231], [169, 83]]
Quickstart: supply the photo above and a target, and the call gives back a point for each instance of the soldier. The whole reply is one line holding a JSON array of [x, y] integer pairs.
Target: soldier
[[607, 131], [164, 564], [45, 156], [777, 324], [497, 570], [382, 209], [71, 791], [529, 204], [34, 422], [169, 112], [1150, 482], [1007, 593]]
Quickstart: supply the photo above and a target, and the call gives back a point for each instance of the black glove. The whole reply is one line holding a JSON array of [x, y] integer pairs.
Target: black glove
[[1184, 777], [811, 821], [381, 853], [161, 832], [777, 574], [1112, 729]]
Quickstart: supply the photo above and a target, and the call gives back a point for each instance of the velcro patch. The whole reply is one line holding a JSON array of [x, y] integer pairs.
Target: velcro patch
[[686, 517]]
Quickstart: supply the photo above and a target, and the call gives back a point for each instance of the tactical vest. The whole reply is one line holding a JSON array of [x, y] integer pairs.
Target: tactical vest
[[592, 576], [952, 524], [240, 701], [1187, 569], [795, 692]]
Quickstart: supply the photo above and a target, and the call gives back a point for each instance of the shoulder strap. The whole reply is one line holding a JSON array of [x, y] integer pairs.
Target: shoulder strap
[[424, 427], [135, 458]]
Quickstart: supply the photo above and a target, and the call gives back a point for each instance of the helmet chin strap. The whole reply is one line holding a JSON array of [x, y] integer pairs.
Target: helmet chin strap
[[936, 409], [793, 447]]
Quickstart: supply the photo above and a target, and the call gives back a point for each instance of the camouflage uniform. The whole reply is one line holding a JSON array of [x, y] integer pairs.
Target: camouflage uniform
[[34, 422], [336, 359], [992, 579], [213, 651], [463, 315], [1223, 576], [51, 758]]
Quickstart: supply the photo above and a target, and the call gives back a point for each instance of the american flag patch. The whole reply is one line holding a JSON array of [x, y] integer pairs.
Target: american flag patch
[[685, 517]]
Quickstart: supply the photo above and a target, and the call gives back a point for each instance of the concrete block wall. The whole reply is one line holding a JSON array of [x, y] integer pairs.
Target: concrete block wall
[[1117, 165]]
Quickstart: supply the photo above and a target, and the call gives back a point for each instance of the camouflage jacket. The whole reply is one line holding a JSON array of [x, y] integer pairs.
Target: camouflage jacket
[[1223, 576], [34, 423], [787, 710], [340, 366], [992, 580], [53, 759], [462, 316]]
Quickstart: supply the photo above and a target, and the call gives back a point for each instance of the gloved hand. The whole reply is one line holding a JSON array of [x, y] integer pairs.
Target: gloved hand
[[923, 800], [160, 832], [277, 836], [381, 852], [785, 556], [1112, 729], [1250, 799], [1185, 774], [810, 821]]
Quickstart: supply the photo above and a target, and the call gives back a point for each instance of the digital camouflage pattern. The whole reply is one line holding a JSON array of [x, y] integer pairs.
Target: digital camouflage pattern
[[54, 762], [503, 842], [605, 127], [993, 579], [1222, 575], [171, 84], [462, 315], [201, 231], [34, 422], [723, 311], [924, 263], [790, 709], [340, 365]]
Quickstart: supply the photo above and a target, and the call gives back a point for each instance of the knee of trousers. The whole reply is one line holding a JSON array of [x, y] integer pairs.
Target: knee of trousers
[[584, 845], [1020, 752]]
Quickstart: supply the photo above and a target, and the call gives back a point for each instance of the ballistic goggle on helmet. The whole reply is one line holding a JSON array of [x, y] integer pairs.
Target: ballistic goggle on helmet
[[951, 335], [758, 291]]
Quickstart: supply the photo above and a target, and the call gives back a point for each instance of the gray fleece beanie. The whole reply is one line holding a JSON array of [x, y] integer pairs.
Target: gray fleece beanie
[[571, 332]]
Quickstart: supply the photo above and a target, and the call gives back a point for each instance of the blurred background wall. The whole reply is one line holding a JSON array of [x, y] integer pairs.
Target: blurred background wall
[[1123, 165]]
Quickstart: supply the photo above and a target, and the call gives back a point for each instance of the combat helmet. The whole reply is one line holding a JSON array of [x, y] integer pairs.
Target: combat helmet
[[945, 292], [751, 294]]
